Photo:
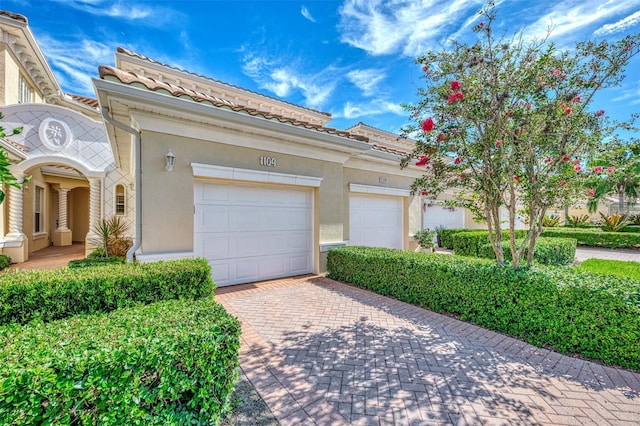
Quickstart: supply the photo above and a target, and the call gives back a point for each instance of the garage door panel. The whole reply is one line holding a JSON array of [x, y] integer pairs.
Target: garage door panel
[[376, 221], [253, 232], [442, 216]]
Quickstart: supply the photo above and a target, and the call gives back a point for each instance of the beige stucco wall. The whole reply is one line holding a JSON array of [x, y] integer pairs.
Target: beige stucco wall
[[168, 203], [79, 213], [9, 77]]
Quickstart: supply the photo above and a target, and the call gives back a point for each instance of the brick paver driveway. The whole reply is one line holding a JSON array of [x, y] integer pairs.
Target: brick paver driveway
[[321, 352]]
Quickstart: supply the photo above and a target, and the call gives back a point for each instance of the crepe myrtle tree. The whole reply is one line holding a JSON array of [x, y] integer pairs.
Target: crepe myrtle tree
[[621, 180], [509, 123], [6, 177]]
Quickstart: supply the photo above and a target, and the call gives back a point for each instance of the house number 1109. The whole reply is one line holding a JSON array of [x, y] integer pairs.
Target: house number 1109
[[267, 161]]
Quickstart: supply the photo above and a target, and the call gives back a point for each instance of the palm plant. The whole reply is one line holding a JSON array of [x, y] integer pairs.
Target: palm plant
[[110, 236]]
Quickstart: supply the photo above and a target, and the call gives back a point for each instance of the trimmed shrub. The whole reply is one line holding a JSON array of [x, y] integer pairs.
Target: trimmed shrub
[[631, 228], [596, 237], [51, 295], [596, 316], [4, 261], [170, 363], [472, 243], [549, 251], [446, 239]]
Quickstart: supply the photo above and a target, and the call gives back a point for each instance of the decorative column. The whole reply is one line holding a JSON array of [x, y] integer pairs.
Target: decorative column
[[62, 236], [15, 212], [62, 209], [16, 244], [92, 240]]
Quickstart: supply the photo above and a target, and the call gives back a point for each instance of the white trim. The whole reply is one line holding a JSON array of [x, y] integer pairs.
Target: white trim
[[378, 190], [249, 175], [146, 258]]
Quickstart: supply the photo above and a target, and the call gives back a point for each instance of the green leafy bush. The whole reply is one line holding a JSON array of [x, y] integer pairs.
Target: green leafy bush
[[631, 228], [596, 237], [446, 238], [51, 295], [169, 363], [549, 251], [472, 243], [4, 261], [596, 316]]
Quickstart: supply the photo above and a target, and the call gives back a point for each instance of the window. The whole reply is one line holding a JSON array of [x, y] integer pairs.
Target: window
[[38, 207], [25, 92], [120, 206]]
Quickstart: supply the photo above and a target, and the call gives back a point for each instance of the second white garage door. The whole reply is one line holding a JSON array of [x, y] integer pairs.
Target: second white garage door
[[375, 221], [253, 232]]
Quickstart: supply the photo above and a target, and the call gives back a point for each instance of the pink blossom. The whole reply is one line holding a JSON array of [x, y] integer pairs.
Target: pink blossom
[[481, 24], [516, 178], [591, 192], [529, 105], [611, 169], [566, 158], [499, 142], [557, 72], [576, 161], [458, 160], [441, 137], [576, 99], [599, 113], [597, 169], [427, 125], [425, 68], [463, 176], [549, 159], [455, 85], [562, 183], [424, 193], [577, 168], [423, 161], [460, 96], [452, 98], [568, 111]]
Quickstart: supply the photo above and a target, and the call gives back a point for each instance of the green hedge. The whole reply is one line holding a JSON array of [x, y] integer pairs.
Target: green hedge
[[631, 228], [4, 261], [597, 316], [170, 363], [446, 239], [596, 238], [51, 295], [549, 251]]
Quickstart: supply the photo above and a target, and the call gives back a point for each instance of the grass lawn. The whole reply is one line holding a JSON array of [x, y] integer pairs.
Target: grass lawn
[[612, 267]]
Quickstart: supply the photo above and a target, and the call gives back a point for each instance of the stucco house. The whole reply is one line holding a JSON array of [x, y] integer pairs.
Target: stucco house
[[260, 187]]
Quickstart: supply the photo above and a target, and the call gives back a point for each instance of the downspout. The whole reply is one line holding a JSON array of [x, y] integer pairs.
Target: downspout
[[137, 174]]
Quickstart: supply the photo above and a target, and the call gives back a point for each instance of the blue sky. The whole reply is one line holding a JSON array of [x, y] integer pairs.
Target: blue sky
[[352, 58]]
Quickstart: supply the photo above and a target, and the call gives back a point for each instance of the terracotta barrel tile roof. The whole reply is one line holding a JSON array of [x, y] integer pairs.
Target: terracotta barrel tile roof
[[93, 103], [129, 78], [390, 150], [153, 61], [15, 16]]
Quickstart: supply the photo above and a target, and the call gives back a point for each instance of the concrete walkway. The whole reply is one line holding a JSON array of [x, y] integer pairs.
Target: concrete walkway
[[321, 352]]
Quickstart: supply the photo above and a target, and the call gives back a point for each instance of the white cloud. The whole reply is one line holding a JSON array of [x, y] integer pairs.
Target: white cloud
[[366, 80], [285, 79], [125, 10], [305, 12], [76, 63], [352, 111], [570, 16], [621, 25], [383, 27]]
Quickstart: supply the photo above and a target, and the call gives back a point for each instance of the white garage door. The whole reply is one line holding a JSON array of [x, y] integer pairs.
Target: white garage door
[[253, 232], [442, 216], [375, 221]]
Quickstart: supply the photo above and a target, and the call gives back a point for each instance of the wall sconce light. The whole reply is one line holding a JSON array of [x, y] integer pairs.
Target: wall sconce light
[[170, 160]]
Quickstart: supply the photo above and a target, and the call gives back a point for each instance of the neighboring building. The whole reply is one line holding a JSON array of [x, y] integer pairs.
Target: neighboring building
[[258, 186]]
